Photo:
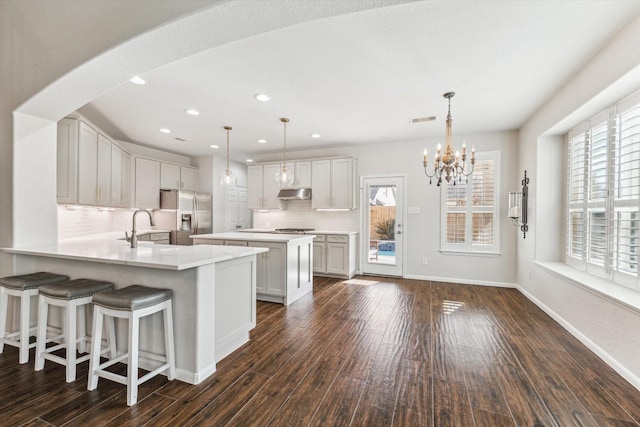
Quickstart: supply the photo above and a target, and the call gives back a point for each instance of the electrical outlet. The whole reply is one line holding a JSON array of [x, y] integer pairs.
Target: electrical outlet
[[425, 261]]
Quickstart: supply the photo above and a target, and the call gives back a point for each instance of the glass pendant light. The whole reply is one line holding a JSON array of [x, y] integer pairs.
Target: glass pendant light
[[227, 178], [284, 177]]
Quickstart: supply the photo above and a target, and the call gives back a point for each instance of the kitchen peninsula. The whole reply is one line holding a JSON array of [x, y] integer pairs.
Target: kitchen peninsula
[[284, 273], [214, 290]]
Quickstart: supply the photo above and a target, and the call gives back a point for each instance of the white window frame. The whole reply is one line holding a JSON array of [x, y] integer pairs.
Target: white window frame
[[468, 247], [613, 204]]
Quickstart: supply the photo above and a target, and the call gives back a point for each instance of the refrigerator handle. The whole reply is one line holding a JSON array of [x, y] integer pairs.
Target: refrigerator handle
[[195, 214]]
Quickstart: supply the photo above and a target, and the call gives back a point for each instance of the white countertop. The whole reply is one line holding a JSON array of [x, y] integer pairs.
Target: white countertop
[[147, 254], [272, 230], [254, 237]]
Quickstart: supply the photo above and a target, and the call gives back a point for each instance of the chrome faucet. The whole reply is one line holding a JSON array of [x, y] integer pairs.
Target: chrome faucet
[[134, 237]]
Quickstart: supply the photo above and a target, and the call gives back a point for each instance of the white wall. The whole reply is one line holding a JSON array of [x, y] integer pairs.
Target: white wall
[[422, 231], [608, 327]]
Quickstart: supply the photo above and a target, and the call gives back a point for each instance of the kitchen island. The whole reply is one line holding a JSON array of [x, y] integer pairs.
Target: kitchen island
[[285, 273], [214, 290]]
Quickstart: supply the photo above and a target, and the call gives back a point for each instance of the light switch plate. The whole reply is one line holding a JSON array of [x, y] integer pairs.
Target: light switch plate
[[413, 210]]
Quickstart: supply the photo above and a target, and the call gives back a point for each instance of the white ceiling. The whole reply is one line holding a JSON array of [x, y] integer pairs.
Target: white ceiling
[[359, 78]]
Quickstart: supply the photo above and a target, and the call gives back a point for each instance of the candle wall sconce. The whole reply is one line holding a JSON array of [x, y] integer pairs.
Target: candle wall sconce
[[518, 207]]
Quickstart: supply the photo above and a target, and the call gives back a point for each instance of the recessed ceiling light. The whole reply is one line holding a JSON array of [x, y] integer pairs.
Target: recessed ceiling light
[[165, 130], [192, 112], [214, 146], [137, 80], [249, 160], [262, 141], [262, 97], [315, 135]]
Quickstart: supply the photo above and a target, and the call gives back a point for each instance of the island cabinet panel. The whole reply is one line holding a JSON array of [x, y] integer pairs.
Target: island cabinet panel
[[271, 275], [284, 273]]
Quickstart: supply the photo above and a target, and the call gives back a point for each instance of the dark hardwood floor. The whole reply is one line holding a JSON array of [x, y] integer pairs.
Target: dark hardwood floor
[[378, 352]]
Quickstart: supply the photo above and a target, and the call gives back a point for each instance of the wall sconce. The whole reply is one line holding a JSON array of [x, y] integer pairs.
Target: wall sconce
[[518, 206]]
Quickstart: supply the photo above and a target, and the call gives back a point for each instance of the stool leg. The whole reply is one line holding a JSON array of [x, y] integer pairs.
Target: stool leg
[[41, 334], [82, 328], [96, 340], [168, 339], [3, 316], [132, 368], [25, 305], [111, 337], [70, 337]]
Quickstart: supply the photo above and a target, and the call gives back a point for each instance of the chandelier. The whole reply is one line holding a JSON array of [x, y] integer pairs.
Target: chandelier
[[284, 176], [447, 164], [227, 178]]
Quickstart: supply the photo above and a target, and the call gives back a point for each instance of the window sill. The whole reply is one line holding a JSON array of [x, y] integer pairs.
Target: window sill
[[621, 295], [470, 253]]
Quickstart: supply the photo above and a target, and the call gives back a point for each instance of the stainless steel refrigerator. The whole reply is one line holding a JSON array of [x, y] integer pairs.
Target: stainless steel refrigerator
[[184, 213]]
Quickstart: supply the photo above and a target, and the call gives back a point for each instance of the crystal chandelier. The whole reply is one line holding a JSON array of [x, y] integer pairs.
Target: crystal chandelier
[[284, 176], [447, 164], [227, 178]]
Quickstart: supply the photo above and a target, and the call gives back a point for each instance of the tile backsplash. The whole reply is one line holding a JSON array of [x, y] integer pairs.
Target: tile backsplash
[[298, 214], [80, 221]]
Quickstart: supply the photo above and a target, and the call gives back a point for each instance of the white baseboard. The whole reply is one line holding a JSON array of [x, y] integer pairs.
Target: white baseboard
[[613, 363], [462, 281]]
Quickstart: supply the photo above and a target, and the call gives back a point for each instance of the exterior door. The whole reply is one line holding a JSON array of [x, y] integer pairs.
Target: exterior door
[[383, 225]]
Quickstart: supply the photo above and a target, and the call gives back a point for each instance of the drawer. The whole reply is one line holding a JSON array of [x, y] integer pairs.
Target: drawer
[[235, 243], [320, 238], [159, 236], [337, 239]]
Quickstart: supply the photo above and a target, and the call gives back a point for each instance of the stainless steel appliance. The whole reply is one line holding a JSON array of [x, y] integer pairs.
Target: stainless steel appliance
[[184, 213]]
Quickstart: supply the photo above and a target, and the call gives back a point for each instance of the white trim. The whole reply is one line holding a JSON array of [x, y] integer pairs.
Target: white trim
[[468, 253], [462, 281], [608, 359]]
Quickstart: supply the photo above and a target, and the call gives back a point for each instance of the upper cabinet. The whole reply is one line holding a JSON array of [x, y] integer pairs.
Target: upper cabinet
[[147, 183], [262, 189], [302, 174], [333, 184], [85, 165], [176, 177]]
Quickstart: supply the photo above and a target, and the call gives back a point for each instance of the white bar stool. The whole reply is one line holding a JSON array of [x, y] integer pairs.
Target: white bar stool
[[23, 286], [69, 295], [131, 303]]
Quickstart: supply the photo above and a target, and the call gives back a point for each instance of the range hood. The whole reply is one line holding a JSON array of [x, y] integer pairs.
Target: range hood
[[295, 194]]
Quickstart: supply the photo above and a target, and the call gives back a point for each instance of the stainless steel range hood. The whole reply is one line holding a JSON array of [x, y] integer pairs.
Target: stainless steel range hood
[[295, 194]]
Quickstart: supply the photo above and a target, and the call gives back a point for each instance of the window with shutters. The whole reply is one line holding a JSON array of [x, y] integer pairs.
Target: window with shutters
[[603, 194], [470, 209]]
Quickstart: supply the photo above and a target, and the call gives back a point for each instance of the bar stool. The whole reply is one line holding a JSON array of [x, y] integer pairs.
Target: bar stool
[[69, 295], [131, 303], [23, 286]]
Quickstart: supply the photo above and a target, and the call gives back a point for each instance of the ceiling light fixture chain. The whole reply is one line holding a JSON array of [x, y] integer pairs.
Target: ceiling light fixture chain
[[449, 164], [227, 178], [284, 177]]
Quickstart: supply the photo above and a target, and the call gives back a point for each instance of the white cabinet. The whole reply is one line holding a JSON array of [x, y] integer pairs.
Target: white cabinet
[[188, 178], [176, 177], [147, 183], [103, 169], [271, 277], [334, 255], [169, 176], [262, 188], [283, 274], [333, 184], [302, 174], [67, 162], [90, 166], [126, 180]]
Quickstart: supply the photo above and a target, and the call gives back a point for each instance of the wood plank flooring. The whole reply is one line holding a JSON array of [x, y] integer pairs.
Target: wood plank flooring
[[370, 352]]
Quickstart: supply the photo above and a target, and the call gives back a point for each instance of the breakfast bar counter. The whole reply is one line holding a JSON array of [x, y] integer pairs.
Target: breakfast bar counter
[[214, 291]]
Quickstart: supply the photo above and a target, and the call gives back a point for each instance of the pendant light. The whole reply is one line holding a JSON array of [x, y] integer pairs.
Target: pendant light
[[227, 178], [284, 177]]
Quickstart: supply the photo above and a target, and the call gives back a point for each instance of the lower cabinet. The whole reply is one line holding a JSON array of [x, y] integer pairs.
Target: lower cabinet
[[334, 255], [284, 273]]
